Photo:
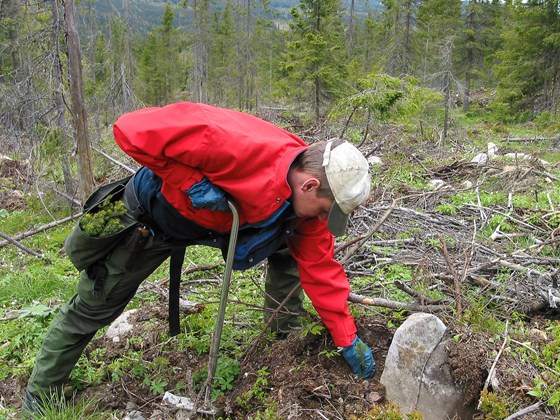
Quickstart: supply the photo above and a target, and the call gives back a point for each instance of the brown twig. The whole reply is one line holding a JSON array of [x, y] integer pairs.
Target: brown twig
[[493, 368], [456, 280]]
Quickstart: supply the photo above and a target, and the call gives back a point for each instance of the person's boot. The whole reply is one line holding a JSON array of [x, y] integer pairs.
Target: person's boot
[[32, 404]]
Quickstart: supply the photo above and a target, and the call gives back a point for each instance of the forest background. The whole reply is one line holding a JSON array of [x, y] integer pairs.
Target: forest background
[[325, 58], [419, 82]]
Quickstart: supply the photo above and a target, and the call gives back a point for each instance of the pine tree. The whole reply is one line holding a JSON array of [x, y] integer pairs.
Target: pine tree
[[398, 26], [159, 63], [529, 72], [314, 65]]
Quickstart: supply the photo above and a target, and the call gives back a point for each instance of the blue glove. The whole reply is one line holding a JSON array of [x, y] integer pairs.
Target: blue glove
[[205, 195], [360, 358]]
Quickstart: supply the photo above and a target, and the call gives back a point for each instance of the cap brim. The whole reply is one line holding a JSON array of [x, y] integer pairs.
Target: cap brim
[[337, 221]]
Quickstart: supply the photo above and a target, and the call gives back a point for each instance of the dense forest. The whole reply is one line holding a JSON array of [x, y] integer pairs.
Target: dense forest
[[326, 59]]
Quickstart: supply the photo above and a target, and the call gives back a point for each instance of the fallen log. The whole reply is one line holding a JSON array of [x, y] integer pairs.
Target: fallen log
[[529, 139]]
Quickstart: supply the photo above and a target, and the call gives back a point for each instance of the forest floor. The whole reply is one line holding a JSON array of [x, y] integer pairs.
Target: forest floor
[[300, 381], [302, 377]]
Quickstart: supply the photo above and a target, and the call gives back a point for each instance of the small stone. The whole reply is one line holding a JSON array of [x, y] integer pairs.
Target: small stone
[[131, 405], [373, 397], [157, 414], [134, 415]]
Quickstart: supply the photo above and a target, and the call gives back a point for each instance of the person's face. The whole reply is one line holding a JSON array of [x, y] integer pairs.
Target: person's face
[[307, 203]]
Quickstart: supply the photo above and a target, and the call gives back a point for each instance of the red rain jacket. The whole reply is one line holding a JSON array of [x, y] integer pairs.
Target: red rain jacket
[[248, 158]]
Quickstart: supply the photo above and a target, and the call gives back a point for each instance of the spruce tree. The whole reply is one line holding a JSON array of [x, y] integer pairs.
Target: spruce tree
[[159, 63], [439, 22], [398, 27], [529, 70], [314, 64]]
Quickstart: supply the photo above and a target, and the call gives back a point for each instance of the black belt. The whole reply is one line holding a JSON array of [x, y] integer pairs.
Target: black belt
[[177, 256]]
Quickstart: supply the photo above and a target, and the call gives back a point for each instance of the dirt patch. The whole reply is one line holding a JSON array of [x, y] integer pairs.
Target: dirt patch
[[14, 175], [299, 376], [306, 379]]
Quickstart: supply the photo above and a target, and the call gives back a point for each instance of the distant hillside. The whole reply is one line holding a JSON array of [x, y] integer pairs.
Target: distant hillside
[[144, 14]]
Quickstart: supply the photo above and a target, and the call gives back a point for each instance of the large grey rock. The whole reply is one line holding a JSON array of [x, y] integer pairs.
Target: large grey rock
[[417, 374]]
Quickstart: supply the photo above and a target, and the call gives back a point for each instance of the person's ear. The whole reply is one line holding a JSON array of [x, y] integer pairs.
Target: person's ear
[[310, 185]]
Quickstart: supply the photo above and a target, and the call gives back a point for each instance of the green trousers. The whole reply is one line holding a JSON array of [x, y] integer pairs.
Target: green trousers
[[281, 277], [78, 320]]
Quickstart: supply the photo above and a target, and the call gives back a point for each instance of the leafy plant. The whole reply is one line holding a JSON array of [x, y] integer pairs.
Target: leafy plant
[[313, 328], [329, 353], [21, 338], [448, 209], [157, 385], [547, 384], [105, 221], [494, 407], [258, 392], [226, 372]]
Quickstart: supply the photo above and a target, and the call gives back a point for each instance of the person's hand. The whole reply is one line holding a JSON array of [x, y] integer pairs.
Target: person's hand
[[360, 358], [205, 195]]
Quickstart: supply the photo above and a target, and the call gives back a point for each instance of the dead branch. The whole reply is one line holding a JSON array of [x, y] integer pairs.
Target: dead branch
[[16, 314], [66, 196], [355, 298], [40, 229], [424, 300], [456, 281], [526, 410], [493, 368], [24, 248], [529, 139], [364, 239], [116, 162]]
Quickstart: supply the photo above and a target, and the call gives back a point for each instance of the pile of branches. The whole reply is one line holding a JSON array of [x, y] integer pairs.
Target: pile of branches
[[450, 253]]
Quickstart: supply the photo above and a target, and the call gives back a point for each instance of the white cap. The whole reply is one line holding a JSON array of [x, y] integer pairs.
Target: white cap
[[347, 171]]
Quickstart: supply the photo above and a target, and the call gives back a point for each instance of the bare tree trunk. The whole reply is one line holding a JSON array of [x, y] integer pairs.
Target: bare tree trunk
[[201, 56], [447, 78], [59, 101], [79, 116], [351, 30], [471, 39]]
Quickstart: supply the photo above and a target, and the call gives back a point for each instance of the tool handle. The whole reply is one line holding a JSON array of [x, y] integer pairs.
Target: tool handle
[[217, 336]]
